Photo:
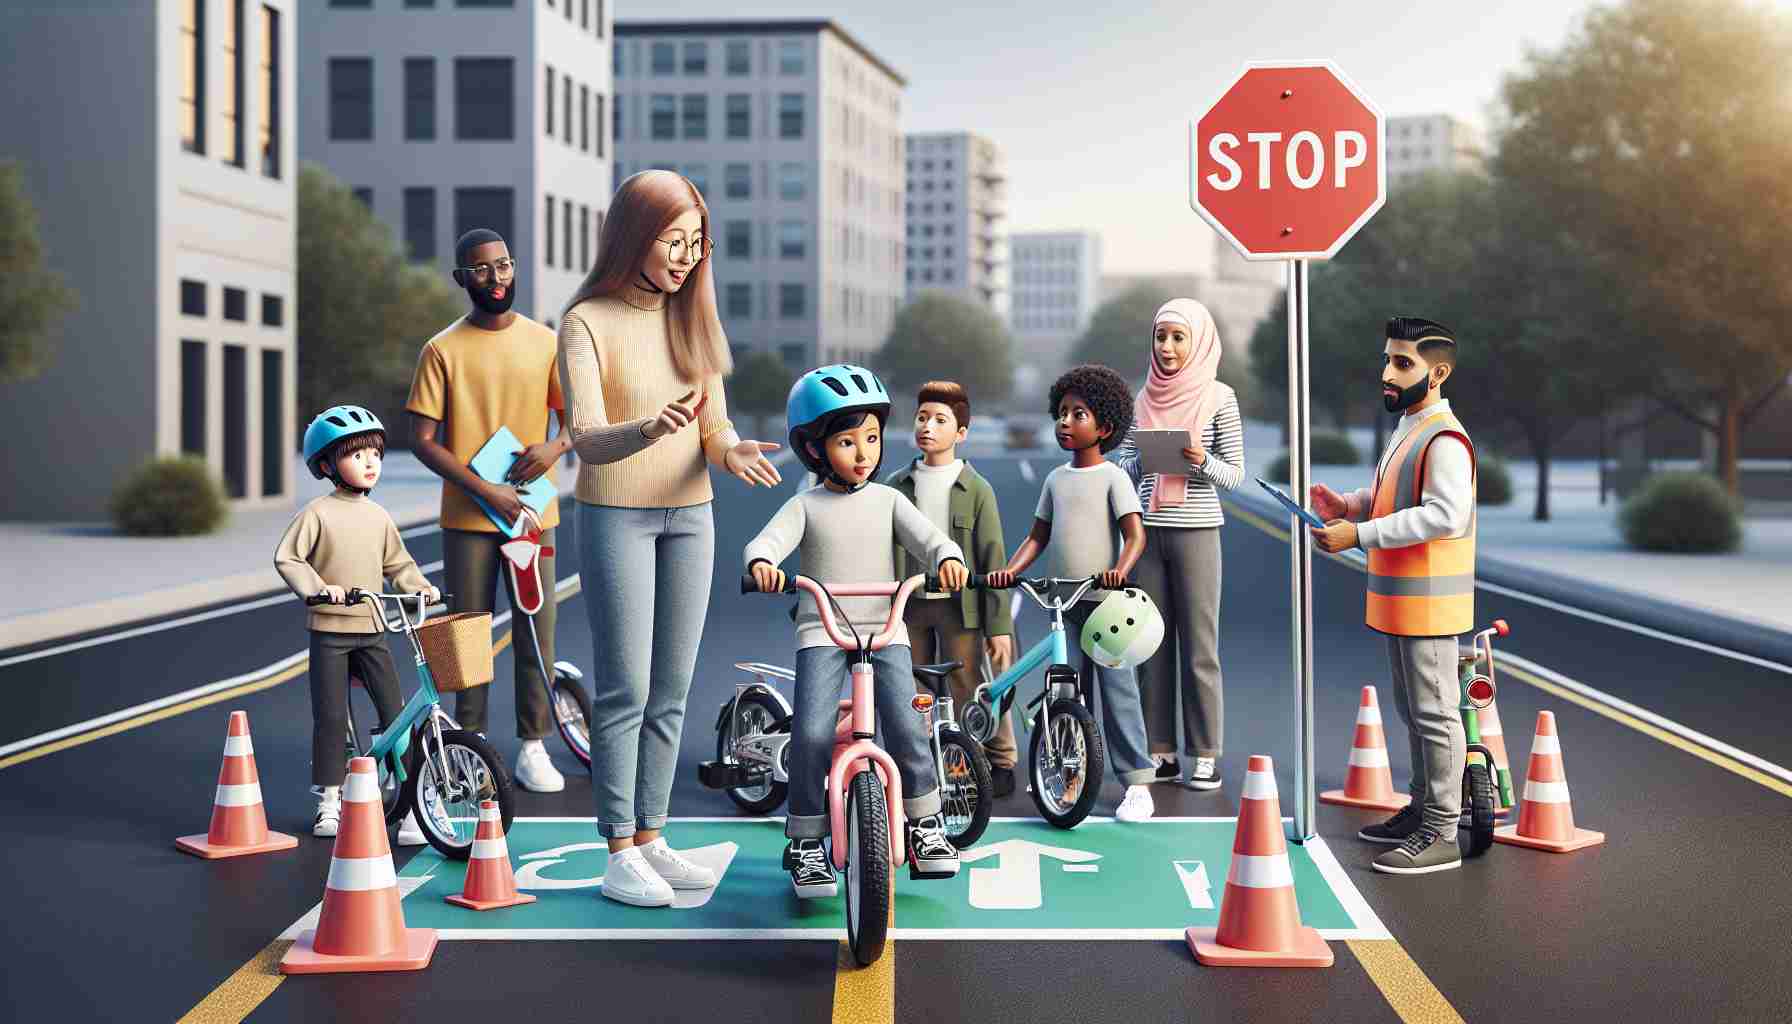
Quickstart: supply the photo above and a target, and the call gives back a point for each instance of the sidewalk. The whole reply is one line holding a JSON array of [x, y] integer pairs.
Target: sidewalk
[[87, 576]]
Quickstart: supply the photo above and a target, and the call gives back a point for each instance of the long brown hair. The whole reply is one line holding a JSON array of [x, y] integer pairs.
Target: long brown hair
[[642, 208]]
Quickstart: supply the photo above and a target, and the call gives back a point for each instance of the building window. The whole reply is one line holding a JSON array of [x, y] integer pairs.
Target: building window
[[616, 61], [662, 59], [192, 76], [790, 115], [584, 119], [268, 117], [792, 240], [663, 115], [365, 195], [696, 58], [599, 24], [236, 420], [585, 14], [351, 99], [493, 208], [192, 397], [793, 181], [233, 97], [485, 3], [790, 56], [793, 354], [737, 181], [601, 122], [351, 3], [420, 99], [420, 224], [616, 128], [192, 298], [273, 424], [584, 238], [946, 274], [566, 234], [740, 57], [738, 235], [696, 115], [548, 101], [699, 175], [236, 304], [740, 301], [739, 112], [419, 3], [273, 311], [548, 232], [791, 301], [484, 99]]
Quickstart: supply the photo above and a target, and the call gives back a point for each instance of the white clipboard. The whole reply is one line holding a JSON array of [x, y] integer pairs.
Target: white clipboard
[[1160, 451]]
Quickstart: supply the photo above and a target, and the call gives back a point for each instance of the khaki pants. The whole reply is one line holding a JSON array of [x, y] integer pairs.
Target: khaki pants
[[471, 566], [934, 635]]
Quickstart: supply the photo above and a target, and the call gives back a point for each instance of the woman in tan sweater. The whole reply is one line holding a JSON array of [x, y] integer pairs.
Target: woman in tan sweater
[[642, 356]]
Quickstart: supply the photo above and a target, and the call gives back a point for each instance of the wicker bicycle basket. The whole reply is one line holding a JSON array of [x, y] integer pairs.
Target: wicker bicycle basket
[[459, 650]]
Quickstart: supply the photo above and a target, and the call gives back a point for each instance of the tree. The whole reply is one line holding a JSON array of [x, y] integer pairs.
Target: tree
[[33, 296], [362, 311], [1656, 136], [760, 386], [1119, 336], [944, 337]]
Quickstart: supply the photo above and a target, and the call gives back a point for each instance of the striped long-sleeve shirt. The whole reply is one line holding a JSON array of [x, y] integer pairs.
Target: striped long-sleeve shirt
[[1224, 466]]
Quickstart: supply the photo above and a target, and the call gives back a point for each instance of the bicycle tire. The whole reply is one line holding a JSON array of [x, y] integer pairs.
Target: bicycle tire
[[1095, 759], [867, 868], [775, 791], [572, 713], [497, 786], [976, 790], [1481, 803]]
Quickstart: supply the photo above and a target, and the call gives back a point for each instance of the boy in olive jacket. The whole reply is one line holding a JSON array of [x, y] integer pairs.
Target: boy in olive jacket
[[960, 503]]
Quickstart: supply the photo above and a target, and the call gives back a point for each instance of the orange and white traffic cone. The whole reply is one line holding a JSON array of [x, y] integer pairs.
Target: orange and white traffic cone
[[1259, 921], [361, 926], [239, 822], [1367, 782], [1493, 737], [1545, 817], [491, 883]]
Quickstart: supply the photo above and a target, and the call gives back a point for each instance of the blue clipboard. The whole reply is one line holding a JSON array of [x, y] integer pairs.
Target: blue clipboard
[[492, 461], [1309, 518]]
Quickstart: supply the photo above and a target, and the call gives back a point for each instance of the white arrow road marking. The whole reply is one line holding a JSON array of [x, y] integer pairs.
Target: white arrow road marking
[[1195, 884], [1014, 885], [716, 857], [1089, 869]]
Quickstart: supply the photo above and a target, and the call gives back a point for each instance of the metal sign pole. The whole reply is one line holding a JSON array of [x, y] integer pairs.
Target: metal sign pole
[[1300, 548]]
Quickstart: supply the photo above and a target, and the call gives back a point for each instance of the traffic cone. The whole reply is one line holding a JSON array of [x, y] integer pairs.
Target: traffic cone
[[490, 882], [1259, 921], [1545, 817], [239, 822], [1367, 782], [361, 927], [1493, 737]]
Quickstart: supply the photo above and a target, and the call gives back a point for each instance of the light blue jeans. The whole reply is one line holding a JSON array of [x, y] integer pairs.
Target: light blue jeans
[[646, 575], [1123, 720]]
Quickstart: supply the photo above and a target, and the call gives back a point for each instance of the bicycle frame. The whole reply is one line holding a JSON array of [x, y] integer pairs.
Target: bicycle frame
[[1052, 649], [395, 738], [1470, 707]]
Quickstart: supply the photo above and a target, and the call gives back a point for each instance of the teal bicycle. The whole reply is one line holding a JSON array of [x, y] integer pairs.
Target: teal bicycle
[[423, 758]]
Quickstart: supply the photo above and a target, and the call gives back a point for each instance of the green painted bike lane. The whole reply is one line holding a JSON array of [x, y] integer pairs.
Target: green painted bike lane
[[1023, 880]]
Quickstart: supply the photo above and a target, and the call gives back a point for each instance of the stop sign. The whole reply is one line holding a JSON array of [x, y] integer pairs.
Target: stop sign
[[1287, 163]]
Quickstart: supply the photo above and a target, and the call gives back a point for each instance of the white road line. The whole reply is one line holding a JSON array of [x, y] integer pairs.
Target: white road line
[[1026, 471]]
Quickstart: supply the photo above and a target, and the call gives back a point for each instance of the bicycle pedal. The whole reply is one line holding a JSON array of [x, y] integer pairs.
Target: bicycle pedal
[[916, 874]]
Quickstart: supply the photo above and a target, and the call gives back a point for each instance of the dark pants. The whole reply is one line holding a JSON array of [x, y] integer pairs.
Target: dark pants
[[471, 564], [335, 657]]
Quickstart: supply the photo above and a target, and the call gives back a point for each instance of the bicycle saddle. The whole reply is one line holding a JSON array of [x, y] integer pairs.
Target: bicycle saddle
[[939, 671]]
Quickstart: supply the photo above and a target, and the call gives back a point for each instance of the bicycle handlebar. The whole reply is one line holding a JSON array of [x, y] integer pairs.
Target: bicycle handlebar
[[356, 595], [819, 592], [1037, 585]]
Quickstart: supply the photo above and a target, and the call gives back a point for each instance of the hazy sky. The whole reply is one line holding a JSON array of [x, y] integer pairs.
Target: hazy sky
[[1092, 110]]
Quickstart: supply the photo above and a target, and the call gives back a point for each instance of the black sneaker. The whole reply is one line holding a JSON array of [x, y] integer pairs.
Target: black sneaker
[[1168, 770], [930, 853], [1423, 852], [1395, 830], [1207, 774], [810, 873], [1001, 782]]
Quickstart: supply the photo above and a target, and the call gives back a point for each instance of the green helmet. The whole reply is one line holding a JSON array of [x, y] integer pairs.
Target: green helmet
[[1124, 629]]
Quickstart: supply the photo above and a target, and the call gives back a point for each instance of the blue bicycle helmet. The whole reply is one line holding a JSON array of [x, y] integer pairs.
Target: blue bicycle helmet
[[824, 393], [331, 426]]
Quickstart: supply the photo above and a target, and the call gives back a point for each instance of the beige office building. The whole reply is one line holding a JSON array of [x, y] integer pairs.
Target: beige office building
[[957, 218], [1431, 142]]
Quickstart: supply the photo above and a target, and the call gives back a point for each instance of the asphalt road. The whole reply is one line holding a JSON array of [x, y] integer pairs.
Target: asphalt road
[[1681, 915]]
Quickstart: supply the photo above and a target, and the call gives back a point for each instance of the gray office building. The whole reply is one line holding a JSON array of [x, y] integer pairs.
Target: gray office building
[[790, 131], [1056, 278], [957, 209]]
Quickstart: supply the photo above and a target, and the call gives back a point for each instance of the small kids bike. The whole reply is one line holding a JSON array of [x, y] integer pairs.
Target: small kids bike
[[423, 758], [1482, 797], [567, 697]]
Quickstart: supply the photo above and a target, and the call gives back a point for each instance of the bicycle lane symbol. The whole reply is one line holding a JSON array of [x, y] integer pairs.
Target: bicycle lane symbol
[[530, 875]]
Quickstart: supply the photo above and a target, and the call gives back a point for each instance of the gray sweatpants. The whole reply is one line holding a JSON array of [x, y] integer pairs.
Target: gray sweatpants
[[1426, 692], [1180, 571]]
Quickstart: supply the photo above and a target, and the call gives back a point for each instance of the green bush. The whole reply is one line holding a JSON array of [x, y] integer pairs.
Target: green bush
[[1682, 512], [1326, 449], [1493, 481], [170, 497]]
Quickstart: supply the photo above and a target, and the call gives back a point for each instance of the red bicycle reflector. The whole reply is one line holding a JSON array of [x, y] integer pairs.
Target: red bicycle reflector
[[1500, 627], [1480, 692], [922, 703]]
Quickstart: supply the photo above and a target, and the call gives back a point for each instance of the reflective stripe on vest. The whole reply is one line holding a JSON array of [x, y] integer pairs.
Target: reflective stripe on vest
[[1425, 589]]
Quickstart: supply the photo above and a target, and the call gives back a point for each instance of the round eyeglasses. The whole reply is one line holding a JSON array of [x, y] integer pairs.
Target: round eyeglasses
[[484, 271], [679, 250]]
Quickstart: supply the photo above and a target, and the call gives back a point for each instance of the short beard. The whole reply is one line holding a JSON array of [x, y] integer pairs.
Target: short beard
[[482, 300], [1408, 397]]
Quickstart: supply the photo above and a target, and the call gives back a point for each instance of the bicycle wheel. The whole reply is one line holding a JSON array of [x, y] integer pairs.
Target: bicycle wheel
[[867, 868], [448, 808], [753, 716], [1481, 805], [966, 794], [1066, 784], [572, 715]]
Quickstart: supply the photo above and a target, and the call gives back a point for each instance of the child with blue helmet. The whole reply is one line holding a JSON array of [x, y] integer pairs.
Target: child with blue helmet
[[845, 530], [338, 542]]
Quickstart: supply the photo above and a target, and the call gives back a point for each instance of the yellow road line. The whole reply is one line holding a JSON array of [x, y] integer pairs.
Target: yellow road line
[[1402, 983], [867, 995], [243, 991]]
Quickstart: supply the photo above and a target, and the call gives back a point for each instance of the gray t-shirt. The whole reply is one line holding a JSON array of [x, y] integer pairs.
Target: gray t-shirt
[[1084, 507], [849, 538]]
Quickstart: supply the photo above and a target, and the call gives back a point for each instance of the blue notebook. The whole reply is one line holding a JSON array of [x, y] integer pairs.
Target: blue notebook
[[493, 461]]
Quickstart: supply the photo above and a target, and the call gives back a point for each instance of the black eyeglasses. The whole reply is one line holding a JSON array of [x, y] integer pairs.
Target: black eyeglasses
[[678, 248], [483, 272]]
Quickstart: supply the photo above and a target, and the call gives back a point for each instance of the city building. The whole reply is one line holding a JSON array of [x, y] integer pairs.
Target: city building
[[1431, 142], [957, 203], [447, 115], [790, 131], [1056, 276], [174, 224]]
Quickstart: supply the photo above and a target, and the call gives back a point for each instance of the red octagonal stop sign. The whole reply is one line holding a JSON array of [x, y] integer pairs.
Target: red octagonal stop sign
[[1287, 163]]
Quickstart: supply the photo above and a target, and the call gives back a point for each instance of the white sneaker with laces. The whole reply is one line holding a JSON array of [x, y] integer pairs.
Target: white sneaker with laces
[[329, 812], [630, 879], [1207, 774], [674, 868], [1137, 806], [535, 772], [408, 832]]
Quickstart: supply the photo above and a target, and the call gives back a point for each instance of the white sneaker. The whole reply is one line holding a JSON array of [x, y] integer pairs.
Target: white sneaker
[[408, 832], [630, 879], [1137, 806], [329, 812], [674, 868], [535, 772]]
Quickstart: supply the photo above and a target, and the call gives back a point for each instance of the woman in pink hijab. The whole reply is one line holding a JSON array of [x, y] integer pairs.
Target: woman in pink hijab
[[1181, 565]]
